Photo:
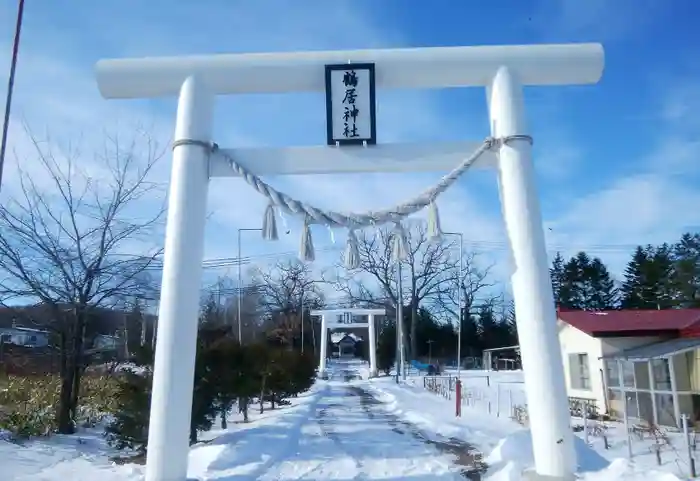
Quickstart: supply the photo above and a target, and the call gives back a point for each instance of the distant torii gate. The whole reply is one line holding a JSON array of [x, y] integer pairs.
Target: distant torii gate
[[502, 70], [344, 318]]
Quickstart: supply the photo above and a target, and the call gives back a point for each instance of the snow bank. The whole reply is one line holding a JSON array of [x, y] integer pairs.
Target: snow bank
[[507, 446], [624, 470], [515, 453]]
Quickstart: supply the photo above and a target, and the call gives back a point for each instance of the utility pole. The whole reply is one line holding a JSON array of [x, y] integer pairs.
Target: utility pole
[[10, 86], [460, 276]]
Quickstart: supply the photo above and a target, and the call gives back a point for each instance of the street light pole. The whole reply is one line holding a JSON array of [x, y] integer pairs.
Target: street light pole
[[401, 361], [459, 300]]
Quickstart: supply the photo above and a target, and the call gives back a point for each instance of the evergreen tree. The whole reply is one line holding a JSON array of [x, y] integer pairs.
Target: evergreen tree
[[602, 293], [488, 327], [386, 346], [470, 339], [556, 272], [510, 322], [648, 282], [494, 331], [128, 428], [686, 270], [586, 283]]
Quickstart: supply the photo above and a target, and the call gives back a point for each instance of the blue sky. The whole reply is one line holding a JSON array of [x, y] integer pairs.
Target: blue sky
[[617, 162]]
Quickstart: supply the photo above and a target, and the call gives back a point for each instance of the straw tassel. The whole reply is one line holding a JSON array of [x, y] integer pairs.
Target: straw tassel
[[306, 250], [399, 243], [269, 227], [434, 229], [352, 251]]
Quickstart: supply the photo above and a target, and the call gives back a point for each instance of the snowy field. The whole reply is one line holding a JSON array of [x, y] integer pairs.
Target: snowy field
[[352, 428], [486, 422]]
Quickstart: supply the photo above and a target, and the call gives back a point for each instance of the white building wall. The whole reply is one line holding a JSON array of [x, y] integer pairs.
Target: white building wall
[[574, 341], [22, 337]]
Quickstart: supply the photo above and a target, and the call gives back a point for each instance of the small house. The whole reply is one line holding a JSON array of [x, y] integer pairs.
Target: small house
[[24, 336], [644, 364], [344, 344]]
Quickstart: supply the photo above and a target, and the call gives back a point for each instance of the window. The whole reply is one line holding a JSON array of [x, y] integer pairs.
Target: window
[[662, 374], [627, 374], [641, 375], [579, 371], [6, 337], [613, 374]]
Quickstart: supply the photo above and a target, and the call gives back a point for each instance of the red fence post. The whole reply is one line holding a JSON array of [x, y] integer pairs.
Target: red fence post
[[458, 398]]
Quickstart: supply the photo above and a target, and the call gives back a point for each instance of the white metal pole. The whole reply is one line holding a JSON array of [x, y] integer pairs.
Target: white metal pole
[[543, 370], [324, 339], [459, 308], [302, 322], [239, 290], [625, 417], [173, 378], [372, 347], [398, 335], [402, 360]]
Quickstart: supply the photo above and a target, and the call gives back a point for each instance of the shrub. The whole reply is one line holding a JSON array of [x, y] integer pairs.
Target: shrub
[[131, 410], [98, 398], [224, 371], [27, 405]]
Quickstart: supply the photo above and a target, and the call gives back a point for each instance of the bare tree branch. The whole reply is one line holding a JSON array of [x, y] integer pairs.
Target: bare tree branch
[[67, 233], [427, 272]]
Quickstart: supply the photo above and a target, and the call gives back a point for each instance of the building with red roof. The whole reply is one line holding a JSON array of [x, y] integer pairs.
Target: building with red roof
[[651, 358]]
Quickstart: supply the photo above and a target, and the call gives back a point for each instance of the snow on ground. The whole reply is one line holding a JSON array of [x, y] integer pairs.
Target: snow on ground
[[335, 431], [486, 424], [351, 428]]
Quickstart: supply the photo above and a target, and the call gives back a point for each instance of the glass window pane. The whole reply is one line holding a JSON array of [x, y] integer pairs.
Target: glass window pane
[[664, 407], [682, 366], [695, 414], [579, 371], [646, 408], [690, 404], [641, 373], [632, 411], [611, 373], [628, 373], [662, 375], [615, 403], [693, 360]]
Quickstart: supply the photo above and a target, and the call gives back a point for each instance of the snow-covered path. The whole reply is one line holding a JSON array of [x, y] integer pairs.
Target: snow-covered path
[[346, 436]]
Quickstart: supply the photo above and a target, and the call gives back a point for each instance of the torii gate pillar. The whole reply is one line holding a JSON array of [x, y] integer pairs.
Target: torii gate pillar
[[329, 321], [503, 70]]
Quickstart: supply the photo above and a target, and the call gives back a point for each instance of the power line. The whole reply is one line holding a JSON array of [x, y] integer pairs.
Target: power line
[[477, 245]]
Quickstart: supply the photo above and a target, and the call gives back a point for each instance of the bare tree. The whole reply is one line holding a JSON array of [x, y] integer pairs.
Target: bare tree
[[427, 272], [469, 289], [220, 300], [285, 290], [65, 238]]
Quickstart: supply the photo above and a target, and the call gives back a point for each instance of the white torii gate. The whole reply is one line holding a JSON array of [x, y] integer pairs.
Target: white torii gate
[[329, 320], [502, 70]]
